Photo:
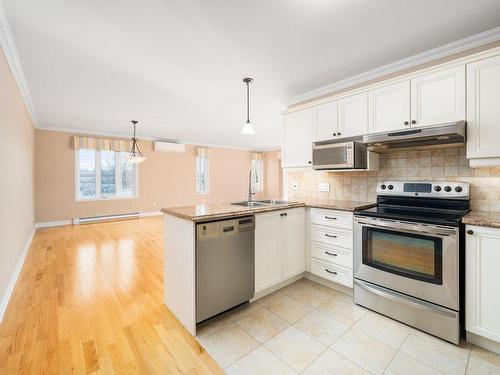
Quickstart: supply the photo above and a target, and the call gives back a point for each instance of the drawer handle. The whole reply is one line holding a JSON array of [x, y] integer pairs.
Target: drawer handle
[[332, 272], [330, 235], [330, 218], [332, 254]]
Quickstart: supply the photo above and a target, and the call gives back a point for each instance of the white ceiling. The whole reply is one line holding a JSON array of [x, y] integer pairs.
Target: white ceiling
[[177, 65]]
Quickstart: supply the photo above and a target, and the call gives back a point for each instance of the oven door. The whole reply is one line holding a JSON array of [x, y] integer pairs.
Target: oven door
[[333, 156], [418, 260]]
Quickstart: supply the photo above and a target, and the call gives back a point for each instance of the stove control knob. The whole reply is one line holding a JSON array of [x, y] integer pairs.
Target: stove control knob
[[447, 189], [390, 187], [458, 189], [437, 188], [382, 187]]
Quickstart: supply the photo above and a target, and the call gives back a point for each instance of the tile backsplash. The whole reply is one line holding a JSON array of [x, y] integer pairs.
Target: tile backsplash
[[445, 164]]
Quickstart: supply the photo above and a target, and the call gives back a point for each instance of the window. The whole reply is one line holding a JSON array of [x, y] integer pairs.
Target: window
[[258, 170], [104, 174], [201, 175]]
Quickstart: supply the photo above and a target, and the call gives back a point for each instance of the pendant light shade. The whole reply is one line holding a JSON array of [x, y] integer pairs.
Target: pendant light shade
[[247, 126], [135, 154]]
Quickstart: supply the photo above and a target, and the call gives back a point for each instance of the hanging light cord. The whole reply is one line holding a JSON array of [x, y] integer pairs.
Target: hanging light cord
[[135, 144], [248, 102]]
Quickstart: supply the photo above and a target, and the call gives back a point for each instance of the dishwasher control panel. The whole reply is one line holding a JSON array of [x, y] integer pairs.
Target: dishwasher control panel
[[224, 228]]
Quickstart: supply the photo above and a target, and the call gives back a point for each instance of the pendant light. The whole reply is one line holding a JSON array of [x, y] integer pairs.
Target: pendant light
[[135, 154], [247, 126]]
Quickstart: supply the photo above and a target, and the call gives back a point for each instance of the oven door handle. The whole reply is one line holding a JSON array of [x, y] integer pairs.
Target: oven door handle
[[421, 305], [395, 225]]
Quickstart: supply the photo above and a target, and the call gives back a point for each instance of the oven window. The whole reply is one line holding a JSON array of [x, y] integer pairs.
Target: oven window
[[411, 255]]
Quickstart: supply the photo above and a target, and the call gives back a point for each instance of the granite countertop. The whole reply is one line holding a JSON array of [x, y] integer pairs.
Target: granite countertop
[[482, 218], [336, 204], [203, 212]]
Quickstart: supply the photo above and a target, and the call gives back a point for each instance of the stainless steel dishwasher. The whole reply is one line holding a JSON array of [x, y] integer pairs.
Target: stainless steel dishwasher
[[225, 265]]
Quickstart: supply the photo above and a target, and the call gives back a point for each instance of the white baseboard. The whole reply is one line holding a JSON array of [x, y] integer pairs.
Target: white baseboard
[[15, 274], [151, 213], [48, 224], [483, 342], [58, 223], [330, 284]]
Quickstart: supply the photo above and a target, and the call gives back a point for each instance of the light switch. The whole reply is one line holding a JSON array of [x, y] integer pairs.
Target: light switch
[[324, 186]]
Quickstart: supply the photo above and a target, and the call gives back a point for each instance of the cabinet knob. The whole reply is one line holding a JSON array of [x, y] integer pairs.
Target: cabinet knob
[[406, 123], [285, 214], [338, 133], [469, 231], [413, 122], [334, 134], [310, 162]]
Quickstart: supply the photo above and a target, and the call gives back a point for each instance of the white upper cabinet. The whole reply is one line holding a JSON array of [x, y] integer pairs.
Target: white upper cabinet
[[483, 111], [325, 122], [353, 115], [389, 107], [297, 139], [438, 97]]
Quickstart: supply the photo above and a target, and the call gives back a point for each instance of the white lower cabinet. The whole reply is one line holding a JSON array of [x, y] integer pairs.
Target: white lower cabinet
[[482, 282], [332, 272], [279, 246], [331, 245], [293, 242]]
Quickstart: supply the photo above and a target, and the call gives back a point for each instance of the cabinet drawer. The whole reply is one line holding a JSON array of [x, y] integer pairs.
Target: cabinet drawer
[[337, 255], [332, 272], [338, 219], [332, 236]]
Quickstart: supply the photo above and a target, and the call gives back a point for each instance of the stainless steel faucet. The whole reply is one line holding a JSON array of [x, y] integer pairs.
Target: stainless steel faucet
[[252, 180]]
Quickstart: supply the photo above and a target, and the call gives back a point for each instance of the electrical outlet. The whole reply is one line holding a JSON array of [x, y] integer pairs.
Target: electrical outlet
[[295, 186], [324, 186]]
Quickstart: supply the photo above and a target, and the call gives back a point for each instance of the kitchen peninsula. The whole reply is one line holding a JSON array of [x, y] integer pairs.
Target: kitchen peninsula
[[281, 243]]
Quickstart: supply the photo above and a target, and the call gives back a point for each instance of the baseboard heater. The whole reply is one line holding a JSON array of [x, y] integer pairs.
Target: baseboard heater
[[98, 219]]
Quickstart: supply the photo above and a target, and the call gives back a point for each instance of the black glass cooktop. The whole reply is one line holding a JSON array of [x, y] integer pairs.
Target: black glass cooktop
[[419, 209]]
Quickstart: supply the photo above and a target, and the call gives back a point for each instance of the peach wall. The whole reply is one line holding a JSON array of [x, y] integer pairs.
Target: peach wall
[[16, 166], [273, 184], [165, 179]]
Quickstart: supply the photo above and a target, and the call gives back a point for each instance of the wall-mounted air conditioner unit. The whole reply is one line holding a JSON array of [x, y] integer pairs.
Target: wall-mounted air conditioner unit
[[169, 147]]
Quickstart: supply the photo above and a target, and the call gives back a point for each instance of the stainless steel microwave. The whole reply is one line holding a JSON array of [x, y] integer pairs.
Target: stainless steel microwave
[[342, 155]]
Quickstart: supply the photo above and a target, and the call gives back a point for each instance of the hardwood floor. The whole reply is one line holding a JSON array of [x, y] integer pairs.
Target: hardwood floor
[[89, 301]]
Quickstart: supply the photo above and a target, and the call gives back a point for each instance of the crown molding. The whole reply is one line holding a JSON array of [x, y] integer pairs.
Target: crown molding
[[446, 50], [9, 49], [97, 133]]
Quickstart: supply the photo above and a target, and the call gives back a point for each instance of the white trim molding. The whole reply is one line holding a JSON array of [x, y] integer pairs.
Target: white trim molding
[[9, 49], [103, 133], [15, 275], [50, 224], [150, 213], [76, 221], [446, 50]]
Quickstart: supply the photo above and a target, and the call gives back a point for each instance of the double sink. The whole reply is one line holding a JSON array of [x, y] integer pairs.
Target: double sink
[[261, 203]]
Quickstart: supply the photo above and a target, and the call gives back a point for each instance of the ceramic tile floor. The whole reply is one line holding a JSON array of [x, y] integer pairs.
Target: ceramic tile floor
[[310, 329]]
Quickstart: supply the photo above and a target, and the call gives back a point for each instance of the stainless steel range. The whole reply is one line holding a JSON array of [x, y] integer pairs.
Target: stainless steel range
[[408, 254]]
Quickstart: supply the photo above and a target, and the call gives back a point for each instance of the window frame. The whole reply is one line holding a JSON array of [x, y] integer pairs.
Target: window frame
[[207, 182], [118, 180]]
